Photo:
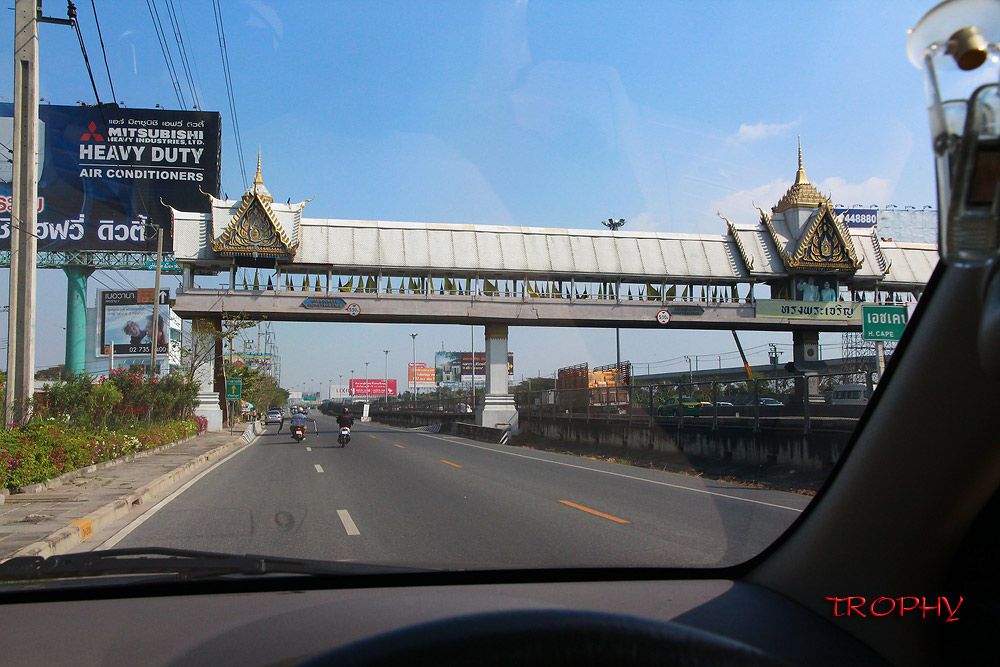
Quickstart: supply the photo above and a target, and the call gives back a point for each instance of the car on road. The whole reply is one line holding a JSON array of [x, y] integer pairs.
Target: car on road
[[769, 402], [273, 416], [685, 406]]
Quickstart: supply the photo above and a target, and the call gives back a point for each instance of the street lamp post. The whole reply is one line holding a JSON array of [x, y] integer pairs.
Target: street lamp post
[[350, 385], [413, 337], [386, 377], [367, 390], [340, 386]]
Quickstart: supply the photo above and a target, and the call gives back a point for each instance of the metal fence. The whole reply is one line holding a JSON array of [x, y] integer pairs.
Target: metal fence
[[790, 402]]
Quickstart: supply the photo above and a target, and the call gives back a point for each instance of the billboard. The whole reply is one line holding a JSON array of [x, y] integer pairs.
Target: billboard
[[452, 369], [372, 387], [422, 374], [126, 320], [103, 171]]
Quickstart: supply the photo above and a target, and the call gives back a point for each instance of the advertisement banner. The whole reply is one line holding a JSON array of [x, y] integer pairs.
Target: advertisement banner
[[423, 375], [809, 310], [126, 323], [102, 173], [453, 369], [371, 388]]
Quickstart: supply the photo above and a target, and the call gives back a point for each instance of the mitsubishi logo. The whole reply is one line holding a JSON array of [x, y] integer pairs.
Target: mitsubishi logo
[[92, 134]]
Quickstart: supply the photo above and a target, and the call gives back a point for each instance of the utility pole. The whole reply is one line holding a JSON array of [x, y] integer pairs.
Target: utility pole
[[386, 377], [413, 371], [23, 242], [154, 335], [367, 390]]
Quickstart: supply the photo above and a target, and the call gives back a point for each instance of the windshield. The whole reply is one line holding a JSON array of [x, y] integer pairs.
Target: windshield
[[590, 278]]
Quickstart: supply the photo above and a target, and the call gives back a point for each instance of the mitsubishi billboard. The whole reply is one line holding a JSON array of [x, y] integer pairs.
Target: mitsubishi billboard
[[102, 173]]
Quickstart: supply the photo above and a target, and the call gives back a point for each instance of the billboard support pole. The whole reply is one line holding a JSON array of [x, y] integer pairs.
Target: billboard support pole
[[76, 318], [154, 335], [23, 242]]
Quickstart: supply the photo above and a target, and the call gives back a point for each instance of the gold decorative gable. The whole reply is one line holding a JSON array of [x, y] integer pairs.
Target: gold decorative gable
[[823, 246], [254, 232]]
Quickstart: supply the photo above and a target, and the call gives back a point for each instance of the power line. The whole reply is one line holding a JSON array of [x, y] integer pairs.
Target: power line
[[154, 14], [175, 24], [229, 87], [105, 53], [86, 60]]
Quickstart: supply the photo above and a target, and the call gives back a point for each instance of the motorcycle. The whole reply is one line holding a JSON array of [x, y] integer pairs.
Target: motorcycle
[[345, 436], [298, 432]]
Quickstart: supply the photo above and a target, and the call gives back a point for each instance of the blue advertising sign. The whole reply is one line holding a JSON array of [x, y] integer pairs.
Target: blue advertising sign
[[102, 173], [858, 217]]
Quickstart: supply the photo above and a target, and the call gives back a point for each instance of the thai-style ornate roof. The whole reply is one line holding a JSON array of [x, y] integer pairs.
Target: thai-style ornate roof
[[802, 194]]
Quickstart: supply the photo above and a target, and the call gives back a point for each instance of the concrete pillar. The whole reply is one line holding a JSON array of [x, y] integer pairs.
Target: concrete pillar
[[206, 404], [805, 348], [498, 408], [76, 318]]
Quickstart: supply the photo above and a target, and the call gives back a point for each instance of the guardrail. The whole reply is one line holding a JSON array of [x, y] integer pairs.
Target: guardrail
[[799, 402]]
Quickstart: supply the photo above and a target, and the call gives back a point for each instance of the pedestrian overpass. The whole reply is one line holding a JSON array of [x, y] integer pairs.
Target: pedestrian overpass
[[814, 269]]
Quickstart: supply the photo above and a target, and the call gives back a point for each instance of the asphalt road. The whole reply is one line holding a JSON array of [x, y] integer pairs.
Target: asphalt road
[[409, 497]]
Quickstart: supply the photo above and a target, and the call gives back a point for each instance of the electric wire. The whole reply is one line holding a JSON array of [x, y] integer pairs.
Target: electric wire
[[185, 63], [86, 61], [154, 14], [114, 97], [224, 51]]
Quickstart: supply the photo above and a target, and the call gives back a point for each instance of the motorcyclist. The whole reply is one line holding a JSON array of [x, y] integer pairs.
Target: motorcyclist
[[298, 418], [345, 419]]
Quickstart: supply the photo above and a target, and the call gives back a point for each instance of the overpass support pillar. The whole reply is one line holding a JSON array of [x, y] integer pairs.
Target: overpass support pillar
[[204, 335], [76, 318], [498, 406], [805, 348]]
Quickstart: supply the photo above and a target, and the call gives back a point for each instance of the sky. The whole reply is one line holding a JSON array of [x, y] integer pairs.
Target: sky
[[518, 112]]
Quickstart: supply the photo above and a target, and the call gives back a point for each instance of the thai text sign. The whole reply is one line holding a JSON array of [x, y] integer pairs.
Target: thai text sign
[[374, 387], [422, 375], [883, 322], [102, 173], [127, 323], [809, 310], [234, 389]]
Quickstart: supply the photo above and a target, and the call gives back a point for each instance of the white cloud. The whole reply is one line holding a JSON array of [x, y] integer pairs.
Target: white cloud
[[738, 206], [644, 222], [761, 131]]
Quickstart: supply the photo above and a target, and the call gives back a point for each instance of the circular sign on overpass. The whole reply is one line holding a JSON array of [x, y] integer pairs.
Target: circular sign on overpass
[[663, 317], [353, 309]]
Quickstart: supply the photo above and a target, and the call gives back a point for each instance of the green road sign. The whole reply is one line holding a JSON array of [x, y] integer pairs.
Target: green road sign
[[234, 389], [883, 322], [165, 266]]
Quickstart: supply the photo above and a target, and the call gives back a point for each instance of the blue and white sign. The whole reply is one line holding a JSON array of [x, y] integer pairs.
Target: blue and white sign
[[858, 217]]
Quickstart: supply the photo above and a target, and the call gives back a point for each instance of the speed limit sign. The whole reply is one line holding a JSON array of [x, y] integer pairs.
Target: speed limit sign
[[663, 317], [353, 310]]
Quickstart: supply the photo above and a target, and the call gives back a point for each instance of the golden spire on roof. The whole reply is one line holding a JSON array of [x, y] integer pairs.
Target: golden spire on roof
[[258, 183], [259, 180], [802, 194]]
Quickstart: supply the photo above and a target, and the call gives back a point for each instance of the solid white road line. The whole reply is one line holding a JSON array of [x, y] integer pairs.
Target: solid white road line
[[616, 474], [318, 467], [123, 533], [349, 526]]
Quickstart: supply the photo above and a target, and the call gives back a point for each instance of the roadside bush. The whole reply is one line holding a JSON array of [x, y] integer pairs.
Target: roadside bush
[[47, 448]]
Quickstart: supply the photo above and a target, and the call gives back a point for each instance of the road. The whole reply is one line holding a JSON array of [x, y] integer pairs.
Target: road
[[410, 497]]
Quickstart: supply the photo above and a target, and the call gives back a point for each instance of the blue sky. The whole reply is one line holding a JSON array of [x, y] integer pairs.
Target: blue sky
[[556, 114]]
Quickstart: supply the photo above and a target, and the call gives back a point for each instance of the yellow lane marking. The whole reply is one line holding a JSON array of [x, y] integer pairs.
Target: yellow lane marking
[[450, 463], [86, 528], [371, 436], [400, 446], [594, 512]]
